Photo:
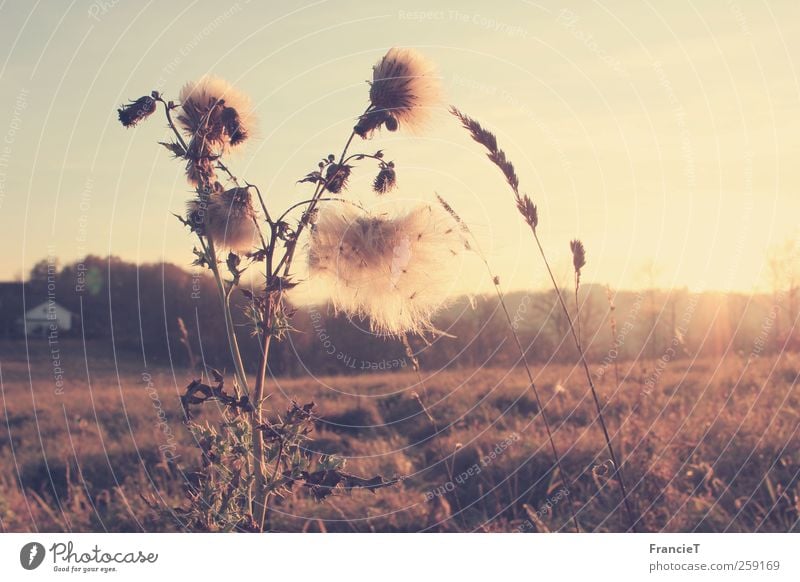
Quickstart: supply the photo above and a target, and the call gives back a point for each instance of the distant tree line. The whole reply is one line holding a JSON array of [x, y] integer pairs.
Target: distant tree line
[[141, 308]]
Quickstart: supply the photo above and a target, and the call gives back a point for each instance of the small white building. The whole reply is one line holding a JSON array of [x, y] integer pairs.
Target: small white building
[[46, 318]]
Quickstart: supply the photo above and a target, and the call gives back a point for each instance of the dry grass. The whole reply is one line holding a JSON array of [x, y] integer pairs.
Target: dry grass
[[713, 447]]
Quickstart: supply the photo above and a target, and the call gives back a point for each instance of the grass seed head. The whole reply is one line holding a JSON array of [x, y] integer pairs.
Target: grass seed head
[[578, 255]]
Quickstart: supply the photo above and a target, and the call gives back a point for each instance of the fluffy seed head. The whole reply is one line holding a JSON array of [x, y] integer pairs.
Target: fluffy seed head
[[403, 91], [394, 270], [226, 217], [200, 172], [215, 113]]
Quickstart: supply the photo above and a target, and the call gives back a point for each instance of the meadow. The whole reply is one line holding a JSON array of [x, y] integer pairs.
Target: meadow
[[709, 445]]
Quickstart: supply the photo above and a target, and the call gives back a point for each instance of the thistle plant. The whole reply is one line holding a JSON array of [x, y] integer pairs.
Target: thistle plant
[[390, 269], [530, 215]]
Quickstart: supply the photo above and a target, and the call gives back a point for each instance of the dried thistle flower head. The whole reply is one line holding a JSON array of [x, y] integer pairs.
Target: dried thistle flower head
[[578, 255], [403, 92], [227, 218], [132, 113], [336, 177], [200, 171], [386, 179], [217, 115], [395, 270]]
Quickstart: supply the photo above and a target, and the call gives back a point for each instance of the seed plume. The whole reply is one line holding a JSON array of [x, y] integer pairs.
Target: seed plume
[[394, 270]]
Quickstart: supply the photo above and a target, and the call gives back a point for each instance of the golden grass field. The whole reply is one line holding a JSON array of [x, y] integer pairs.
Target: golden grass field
[[713, 446]]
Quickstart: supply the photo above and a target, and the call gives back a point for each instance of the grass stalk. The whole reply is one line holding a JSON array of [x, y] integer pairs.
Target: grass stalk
[[445, 455], [475, 246], [529, 212], [598, 406]]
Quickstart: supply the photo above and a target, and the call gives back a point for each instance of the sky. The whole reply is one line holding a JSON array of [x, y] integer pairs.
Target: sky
[[664, 135]]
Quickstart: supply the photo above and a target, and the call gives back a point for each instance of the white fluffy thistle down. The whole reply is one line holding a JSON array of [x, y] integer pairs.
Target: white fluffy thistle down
[[395, 270], [227, 218], [404, 91], [215, 113]]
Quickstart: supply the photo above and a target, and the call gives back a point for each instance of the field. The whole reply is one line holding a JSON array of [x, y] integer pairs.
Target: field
[[709, 446]]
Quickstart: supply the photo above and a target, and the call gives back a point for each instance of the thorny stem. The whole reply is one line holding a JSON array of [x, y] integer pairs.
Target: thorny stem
[[224, 296], [260, 234], [310, 200], [225, 169], [273, 303], [363, 156], [210, 251], [256, 419], [286, 261], [598, 406], [233, 344], [261, 200], [306, 218], [257, 507], [171, 124], [264, 521]]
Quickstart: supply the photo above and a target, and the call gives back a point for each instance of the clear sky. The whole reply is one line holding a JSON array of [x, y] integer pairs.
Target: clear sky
[[660, 133]]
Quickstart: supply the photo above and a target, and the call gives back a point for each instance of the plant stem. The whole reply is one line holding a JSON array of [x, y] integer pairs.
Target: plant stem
[[578, 309], [171, 124], [289, 255], [598, 406], [233, 343], [260, 508], [564, 477], [310, 200], [613, 323], [265, 521], [523, 357], [267, 217]]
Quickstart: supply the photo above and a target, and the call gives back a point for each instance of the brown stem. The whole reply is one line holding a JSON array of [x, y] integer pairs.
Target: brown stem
[[171, 124], [286, 261], [265, 513], [261, 200], [310, 200], [260, 508], [539, 404], [565, 480], [598, 406]]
